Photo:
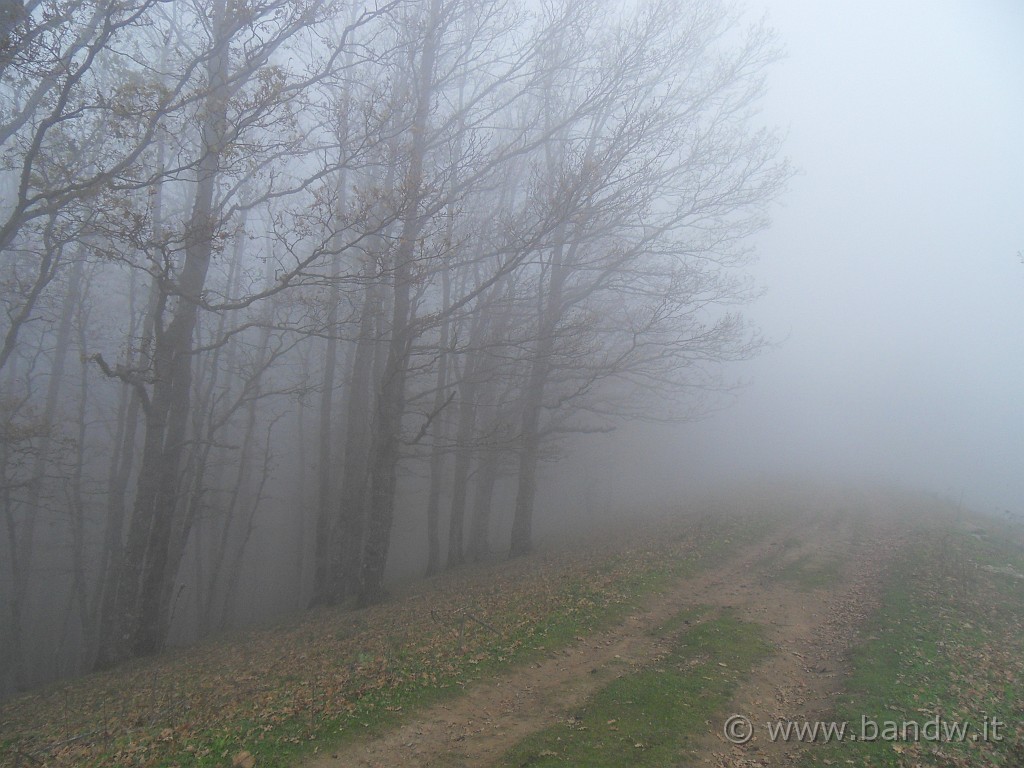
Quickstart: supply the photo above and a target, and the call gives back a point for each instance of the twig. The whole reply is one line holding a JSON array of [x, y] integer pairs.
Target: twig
[[482, 623], [430, 418], [49, 748], [18, 754], [463, 615]]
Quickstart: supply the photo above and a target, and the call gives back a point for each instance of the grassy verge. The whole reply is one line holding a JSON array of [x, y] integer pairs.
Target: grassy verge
[[282, 694], [944, 657], [649, 717]]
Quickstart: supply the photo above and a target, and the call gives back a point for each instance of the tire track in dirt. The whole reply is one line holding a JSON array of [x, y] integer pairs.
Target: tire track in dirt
[[493, 714], [811, 632]]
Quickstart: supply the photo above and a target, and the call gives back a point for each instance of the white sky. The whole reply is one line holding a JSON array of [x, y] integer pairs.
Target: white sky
[[894, 284], [891, 267]]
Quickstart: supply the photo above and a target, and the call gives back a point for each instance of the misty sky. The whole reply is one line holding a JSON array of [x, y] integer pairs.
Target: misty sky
[[894, 285]]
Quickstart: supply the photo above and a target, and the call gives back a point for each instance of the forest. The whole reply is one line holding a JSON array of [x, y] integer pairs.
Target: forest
[[301, 294]]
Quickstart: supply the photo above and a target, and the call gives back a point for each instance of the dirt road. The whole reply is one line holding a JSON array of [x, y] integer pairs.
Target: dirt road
[[810, 584]]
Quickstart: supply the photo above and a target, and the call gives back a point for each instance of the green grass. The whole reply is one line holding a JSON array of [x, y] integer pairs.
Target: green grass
[[948, 643], [649, 717]]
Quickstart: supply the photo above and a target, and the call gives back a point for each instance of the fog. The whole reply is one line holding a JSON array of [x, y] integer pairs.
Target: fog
[[298, 302], [893, 274]]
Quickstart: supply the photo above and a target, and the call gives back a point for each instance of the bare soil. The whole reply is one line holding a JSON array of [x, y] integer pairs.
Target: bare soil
[[812, 632], [811, 629]]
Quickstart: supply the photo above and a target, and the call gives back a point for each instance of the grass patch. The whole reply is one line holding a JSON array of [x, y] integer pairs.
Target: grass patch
[[947, 647], [650, 717], [680, 621]]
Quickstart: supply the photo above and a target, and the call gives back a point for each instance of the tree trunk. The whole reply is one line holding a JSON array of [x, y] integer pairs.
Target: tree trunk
[[533, 404], [390, 409], [25, 542], [437, 433], [79, 521], [302, 500], [483, 495], [255, 499], [140, 623], [463, 463], [327, 488], [339, 529], [385, 452], [122, 463]]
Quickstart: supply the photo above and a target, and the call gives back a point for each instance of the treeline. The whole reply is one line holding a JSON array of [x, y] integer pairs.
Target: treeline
[[280, 255]]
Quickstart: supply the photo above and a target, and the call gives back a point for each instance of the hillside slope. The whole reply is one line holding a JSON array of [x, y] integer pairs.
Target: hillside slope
[[485, 665]]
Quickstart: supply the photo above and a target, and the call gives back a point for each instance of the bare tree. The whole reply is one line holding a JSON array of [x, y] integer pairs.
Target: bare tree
[[64, 106], [448, 234], [656, 189], [247, 101]]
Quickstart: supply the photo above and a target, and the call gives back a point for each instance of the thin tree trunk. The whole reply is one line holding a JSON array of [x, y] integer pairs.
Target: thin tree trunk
[[78, 511], [327, 530], [300, 488], [533, 403], [351, 532], [207, 424], [474, 378], [463, 462], [325, 466], [483, 495], [440, 426], [329, 578], [437, 434], [390, 409], [549, 316], [235, 570], [26, 539], [18, 562]]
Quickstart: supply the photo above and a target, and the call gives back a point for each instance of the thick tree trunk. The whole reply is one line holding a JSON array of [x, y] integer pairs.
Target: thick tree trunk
[[157, 497], [139, 625], [123, 461]]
